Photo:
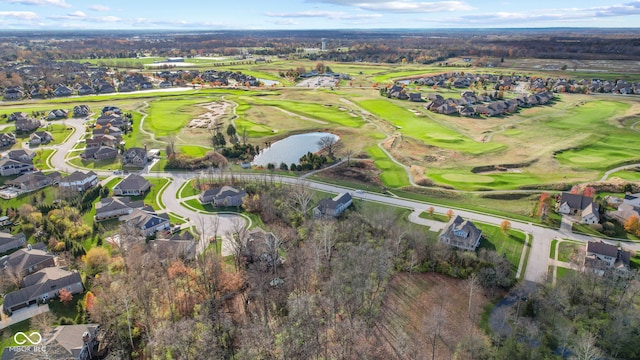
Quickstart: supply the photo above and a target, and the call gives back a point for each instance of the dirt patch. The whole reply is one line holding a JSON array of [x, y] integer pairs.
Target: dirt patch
[[215, 110], [359, 171], [417, 172], [406, 327]]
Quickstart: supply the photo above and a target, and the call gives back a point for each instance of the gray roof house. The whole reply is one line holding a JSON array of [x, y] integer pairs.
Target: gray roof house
[[62, 91], [27, 125], [580, 206], [222, 196], [114, 207], [132, 185], [601, 257], [65, 342], [34, 181], [12, 167], [57, 114], [99, 153], [135, 157], [7, 139], [27, 261], [147, 222], [17, 116], [21, 155], [41, 286], [178, 245], [81, 111], [79, 181], [40, 137], [333, 207], [10, 242], [461, 233]]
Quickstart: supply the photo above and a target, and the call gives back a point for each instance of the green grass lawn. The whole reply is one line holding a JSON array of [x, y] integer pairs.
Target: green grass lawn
[[426, 130], [194, 151], [41, 160], [566, 249], [510, 244], [552, 254], [72, 310], [393, 175], [564, 272], [6, 339], [109, 164], [628, 175], [170, 115], [434, 216]]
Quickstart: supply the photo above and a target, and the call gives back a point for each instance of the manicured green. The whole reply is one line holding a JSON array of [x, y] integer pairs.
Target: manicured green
[[393, 175], [426, 129], [194, 151], [627, 175], [169, 116], [434, 216], [41, 160], [564, 272]]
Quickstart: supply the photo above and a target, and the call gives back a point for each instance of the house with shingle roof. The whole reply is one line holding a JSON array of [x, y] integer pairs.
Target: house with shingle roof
[[81, 111], [10, 242], [222, 196], [135, 157], [601, 257], [583, 207], [34, 181], [40, 137], [41, 286], [27, 261], [17, 116], [62, 91], [114, 207], [7, 139], [461, 233], [333, 207], [79, 181], [132, 185], [148, 222]]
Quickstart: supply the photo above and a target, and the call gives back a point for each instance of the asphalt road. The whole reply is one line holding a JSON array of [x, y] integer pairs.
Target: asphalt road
[[538, 261]]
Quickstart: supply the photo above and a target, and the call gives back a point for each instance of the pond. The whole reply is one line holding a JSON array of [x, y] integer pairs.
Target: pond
[[290, 150]]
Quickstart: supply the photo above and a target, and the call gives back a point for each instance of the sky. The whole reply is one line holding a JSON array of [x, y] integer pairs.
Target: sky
[[314, 14]]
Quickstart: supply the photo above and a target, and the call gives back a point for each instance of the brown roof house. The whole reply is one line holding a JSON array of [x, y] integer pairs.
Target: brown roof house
[[41, 286], [65, 342], [602, 257], [461, 233], [579, 206], [222, 196], [10, 242], [27, 261], [177, 245], [132, 185], [135, 157], [27, 125], [333, 207]]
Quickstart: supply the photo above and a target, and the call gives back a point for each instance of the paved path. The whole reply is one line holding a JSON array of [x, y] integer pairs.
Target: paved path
[[21, 315], [619, 168]]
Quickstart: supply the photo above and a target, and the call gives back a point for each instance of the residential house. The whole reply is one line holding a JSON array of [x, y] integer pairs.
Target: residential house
[[629, 206], [99, 153], [333, 207], [108, 130], [41, 286], [62, 91], [13, 93], [81, 111], [177, 245], [147, 222], [111, 110], [7, 140], [461, 233], [416, 97], [601, 257], [101, 140], [107, 120], [40, 137], [27, 125], [64, 342], [106, 88], [79, 181], [21, 155], [85, 90], [57, 114], [222, 196], [397, 92], [18, 115], [34, 181], [135, 157], [10, 242], [26, 261], [114, 207], [582, 207], [10, 167], [132, 185]]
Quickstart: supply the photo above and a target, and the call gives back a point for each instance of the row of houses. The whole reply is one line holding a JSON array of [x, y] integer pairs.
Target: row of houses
[[471, 104]]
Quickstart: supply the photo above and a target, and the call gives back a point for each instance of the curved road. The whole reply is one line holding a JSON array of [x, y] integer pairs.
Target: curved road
[[538, 262]]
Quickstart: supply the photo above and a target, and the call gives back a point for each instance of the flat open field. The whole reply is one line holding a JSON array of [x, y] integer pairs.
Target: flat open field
[[575, 139]]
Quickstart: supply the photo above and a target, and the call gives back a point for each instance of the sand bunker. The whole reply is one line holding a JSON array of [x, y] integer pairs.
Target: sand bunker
[[215, 111]]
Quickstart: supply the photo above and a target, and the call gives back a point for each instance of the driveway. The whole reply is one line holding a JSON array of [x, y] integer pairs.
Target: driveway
[[21, 315]]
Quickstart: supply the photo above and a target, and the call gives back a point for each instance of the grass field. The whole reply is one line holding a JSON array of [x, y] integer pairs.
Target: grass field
[[510, 244], [567, 249], [393, 175]]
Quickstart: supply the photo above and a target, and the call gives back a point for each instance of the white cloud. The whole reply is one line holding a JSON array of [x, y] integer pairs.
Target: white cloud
[[335, 15], [402, 6], [76, 15], [108, 19], [98, 7], [285, 22], [24, 15], [60, 3]]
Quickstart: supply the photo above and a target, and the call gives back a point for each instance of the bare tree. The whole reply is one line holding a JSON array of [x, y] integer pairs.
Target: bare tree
[[300, 196], [585, 348], [43, 322], [237, 237], [472, 284], [329, 143], [349, 154]]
